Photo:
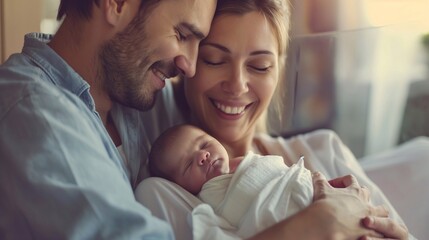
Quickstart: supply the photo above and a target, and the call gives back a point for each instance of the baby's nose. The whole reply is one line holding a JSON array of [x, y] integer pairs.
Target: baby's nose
[[203, 157]]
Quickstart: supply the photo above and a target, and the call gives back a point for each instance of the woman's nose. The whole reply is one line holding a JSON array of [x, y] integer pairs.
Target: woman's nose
[[203, 157], [237, 83]]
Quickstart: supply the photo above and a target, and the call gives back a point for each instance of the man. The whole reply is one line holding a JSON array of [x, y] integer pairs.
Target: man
[[61, 175]]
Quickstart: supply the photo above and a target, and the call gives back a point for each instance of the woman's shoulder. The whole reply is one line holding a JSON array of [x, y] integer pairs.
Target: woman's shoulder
[[318, 142], [316, 135]]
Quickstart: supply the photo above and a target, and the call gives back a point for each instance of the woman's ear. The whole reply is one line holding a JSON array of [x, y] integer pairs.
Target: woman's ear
[[119, 13]]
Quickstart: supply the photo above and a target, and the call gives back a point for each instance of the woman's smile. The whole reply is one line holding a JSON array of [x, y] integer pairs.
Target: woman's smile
[[230, 108]]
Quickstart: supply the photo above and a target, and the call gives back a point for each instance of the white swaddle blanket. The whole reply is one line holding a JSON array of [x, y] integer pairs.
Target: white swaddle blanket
[[262, 192]]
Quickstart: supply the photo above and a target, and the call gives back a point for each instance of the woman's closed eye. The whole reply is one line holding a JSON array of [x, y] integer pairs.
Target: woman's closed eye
[[213, 63], [261, 64], [260, 68]]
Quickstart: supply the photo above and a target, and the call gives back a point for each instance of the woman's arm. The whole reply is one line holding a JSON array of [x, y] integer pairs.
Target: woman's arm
[[336, 213], [325, 152]]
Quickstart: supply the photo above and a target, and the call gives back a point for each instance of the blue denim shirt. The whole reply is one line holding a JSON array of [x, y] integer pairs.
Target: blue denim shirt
[[61, 176]]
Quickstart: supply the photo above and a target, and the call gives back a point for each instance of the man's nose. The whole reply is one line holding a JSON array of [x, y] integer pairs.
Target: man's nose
[[187, 61]]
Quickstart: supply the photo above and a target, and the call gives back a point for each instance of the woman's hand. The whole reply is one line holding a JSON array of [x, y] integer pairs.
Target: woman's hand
[[388, 227], [342, 204], [384, 226]]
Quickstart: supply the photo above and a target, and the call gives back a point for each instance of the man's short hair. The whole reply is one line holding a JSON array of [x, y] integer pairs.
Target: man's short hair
[[81, 8]]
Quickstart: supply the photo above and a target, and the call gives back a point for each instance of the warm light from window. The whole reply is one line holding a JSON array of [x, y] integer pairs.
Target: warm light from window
[[387, 12]]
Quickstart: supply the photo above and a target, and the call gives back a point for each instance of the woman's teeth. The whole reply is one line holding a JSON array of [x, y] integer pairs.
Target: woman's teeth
[[229, 109]]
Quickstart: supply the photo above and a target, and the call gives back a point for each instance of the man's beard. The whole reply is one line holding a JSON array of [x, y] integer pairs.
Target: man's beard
[[125, 67]]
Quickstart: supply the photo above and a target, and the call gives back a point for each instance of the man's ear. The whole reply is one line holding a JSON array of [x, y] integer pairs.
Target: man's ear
[[119, 13]]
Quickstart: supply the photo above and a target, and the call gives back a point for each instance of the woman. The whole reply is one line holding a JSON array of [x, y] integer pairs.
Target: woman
[[238, 69]]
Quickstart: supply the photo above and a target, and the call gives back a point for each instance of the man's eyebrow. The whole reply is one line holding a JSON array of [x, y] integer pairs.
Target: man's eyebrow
[[193, 29], [215, 45]]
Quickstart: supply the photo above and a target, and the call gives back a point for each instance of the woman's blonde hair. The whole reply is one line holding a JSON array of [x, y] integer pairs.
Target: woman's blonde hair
[[277, 12]]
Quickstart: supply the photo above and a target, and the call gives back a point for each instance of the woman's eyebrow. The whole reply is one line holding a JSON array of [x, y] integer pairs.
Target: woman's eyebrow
[[224, 49], [261, 52]]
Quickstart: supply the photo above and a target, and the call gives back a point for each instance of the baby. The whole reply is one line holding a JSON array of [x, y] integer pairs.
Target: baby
[[242, 196], [190, 157]]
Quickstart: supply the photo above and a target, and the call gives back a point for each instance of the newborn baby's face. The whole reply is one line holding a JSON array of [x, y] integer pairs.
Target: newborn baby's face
[[200, 157]]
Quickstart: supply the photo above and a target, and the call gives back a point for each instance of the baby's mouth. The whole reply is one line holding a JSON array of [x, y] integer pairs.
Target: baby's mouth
[[210, 166]]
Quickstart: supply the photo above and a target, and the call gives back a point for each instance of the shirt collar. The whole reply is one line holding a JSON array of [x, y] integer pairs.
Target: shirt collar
[[58, 71]]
